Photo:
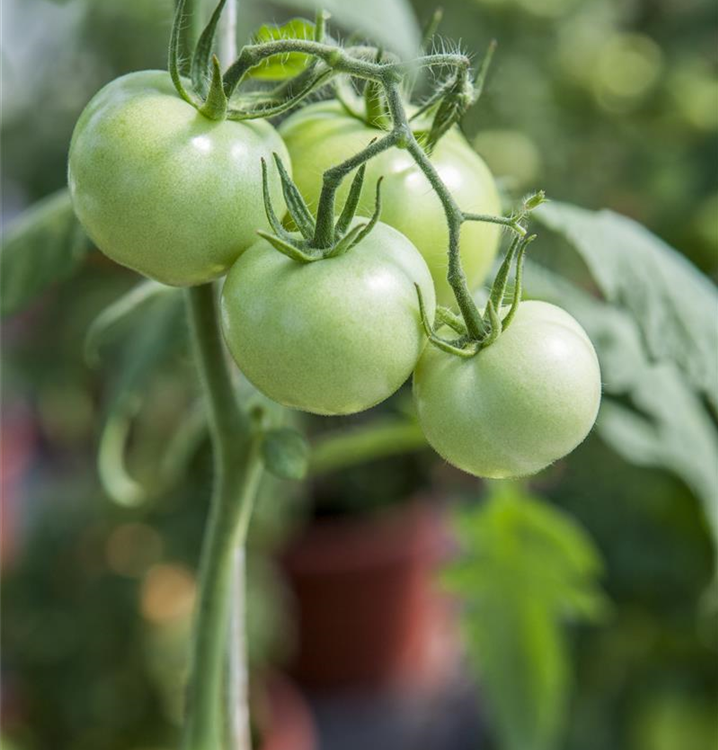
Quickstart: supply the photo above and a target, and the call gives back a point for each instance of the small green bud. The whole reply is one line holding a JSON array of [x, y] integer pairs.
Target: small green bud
[[535, 200], [285, 453]]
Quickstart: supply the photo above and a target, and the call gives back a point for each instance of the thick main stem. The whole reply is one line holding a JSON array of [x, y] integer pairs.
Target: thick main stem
[[238, 470]]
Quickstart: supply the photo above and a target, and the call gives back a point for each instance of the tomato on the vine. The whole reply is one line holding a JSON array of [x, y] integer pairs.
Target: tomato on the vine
[[333, 336], [322, 135], [518, 405], [161, 188]]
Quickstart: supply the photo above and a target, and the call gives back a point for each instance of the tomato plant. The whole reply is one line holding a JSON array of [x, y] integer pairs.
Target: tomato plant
[[516, 406], [322, 312], [164, 189], [323, 134]]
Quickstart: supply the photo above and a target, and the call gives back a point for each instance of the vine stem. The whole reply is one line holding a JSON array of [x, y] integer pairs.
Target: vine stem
[[237, 693], [390, 75], [238, 469]]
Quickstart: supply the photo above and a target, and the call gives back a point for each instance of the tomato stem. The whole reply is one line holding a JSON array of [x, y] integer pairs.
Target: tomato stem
[[238, 469], [324, 231]]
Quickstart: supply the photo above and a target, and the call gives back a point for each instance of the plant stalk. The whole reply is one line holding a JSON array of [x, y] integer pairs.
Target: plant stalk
[[238, 469]]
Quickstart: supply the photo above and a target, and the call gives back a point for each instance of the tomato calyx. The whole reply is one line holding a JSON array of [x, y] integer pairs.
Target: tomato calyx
[[303, 246], [433, 119], [206, 91], [493, 322]]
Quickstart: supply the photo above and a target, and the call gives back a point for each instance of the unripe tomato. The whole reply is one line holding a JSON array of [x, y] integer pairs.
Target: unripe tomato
[[334, 336], [161, 188], [517, 406], [322, 135]]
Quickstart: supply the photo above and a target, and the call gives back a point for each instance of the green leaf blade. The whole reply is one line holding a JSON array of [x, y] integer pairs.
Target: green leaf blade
[[524, 567], [282, 67], [675, 306], [43, 246]]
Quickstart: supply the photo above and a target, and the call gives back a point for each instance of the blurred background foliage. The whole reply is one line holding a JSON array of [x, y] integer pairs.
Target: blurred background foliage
[[606, 103]]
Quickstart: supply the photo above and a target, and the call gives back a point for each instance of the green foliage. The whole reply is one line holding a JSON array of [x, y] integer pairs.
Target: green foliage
[[281, 67], [674, 305], [525, 571], [390, 23], [110, 322], [45, 245], [137, 334], [656, 338]]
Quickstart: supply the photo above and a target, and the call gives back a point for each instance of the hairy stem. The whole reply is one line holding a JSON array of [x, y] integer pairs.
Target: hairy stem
[[506, 221], [324, 232], [237, 685], [358, 62], [454, 216], [238, 469]]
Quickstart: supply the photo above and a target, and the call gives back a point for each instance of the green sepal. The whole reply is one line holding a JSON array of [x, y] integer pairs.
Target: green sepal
[[450, 318], [272, 108], [491, 317], [459, 347], [352, 201], [174, 51], [518, 283], [344, 94], [200, 68], [215, 105], [432, 101], [346, 242], [498, 288], [452, 107], [296, 205], [285, 453], [366, 228], [286, 248], [274, 222]]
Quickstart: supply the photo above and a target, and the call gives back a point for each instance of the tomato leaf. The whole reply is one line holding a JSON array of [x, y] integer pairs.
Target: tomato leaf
[[390, 23], [131, 363], [524, 569], [44, 245], [109, 323], [280, 67], [673, 304], [651, 413]]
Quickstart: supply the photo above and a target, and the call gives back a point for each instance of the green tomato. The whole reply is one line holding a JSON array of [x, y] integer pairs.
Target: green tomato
[[164, 190], [517, 406], [334, 336], [322, 135]]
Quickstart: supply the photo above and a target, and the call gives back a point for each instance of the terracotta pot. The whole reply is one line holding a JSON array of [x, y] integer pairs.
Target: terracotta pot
[[369, 614], [287, 717]]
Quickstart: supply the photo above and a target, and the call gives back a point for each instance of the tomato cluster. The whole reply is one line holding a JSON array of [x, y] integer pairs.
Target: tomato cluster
[[323, 134], [179, 197]]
